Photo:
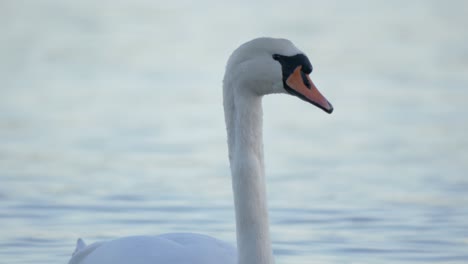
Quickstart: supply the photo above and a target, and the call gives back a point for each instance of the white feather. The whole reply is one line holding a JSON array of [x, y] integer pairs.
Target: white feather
[[251, 73]]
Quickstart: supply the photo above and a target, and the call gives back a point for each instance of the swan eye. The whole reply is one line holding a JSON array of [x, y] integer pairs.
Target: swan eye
[[289, 63]]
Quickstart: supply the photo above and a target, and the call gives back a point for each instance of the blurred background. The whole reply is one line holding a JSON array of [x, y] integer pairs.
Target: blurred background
[[111, 124]]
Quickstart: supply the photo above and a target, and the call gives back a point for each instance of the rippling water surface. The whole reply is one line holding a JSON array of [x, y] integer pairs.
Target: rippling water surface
[[111, 124]]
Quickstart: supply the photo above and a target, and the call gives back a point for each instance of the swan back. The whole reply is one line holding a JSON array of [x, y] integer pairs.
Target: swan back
[[180, 248]]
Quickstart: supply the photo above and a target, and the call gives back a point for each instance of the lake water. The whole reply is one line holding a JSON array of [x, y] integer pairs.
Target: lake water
[[111, 124]]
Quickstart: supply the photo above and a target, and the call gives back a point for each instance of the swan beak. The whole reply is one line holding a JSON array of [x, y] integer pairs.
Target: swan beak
[[303, 87]]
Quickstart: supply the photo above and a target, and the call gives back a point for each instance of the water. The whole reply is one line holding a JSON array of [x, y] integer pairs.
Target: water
[[111, 124]]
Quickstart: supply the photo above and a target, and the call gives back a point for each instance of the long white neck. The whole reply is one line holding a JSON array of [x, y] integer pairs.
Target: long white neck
[[243, 113]]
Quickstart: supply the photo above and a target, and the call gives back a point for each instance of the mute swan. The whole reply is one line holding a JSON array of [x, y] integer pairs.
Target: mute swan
[[259, 67]]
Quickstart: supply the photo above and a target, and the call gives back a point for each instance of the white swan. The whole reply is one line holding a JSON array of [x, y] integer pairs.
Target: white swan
[[259, 67]]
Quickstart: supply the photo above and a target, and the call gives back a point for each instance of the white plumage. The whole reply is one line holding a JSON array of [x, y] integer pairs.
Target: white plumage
[[259, 67], [183, 248]]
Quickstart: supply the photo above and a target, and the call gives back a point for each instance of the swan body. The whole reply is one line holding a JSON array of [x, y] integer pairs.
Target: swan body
[[183, 248], [259, 67]]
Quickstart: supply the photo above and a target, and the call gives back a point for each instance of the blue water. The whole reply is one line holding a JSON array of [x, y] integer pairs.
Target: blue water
[[111, 124]]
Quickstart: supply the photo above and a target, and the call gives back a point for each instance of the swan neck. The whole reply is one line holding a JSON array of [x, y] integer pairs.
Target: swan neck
[[244, 125]]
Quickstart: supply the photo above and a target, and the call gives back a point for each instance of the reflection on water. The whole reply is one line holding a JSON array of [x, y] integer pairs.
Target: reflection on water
[[111, 124]]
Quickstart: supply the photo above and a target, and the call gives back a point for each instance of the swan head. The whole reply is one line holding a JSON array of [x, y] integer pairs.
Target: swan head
[[269, 65]]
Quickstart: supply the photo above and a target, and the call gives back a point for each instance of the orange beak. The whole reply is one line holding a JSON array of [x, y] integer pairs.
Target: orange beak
[[307, 91]]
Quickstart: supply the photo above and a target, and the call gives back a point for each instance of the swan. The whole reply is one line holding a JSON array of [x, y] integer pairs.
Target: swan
[[259, 67]]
